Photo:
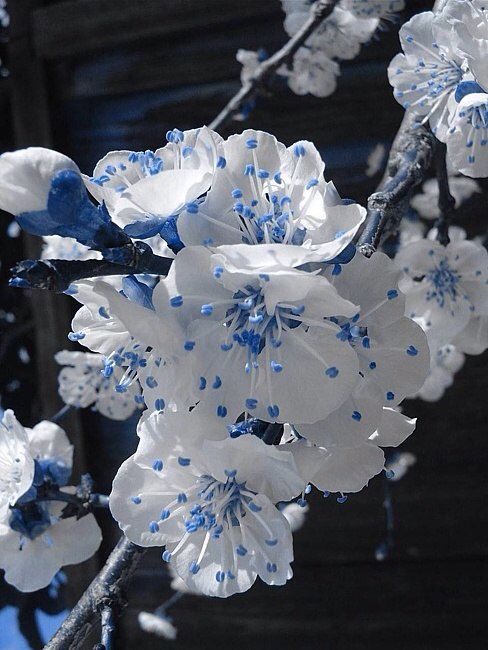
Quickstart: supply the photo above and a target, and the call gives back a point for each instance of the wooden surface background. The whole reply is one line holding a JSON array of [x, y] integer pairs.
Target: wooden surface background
[[99, 75]]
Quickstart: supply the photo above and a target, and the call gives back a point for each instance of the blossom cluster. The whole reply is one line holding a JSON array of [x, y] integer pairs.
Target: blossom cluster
[[442, 77], [314, 68], [446, 288], [37, 534], [271, 358]]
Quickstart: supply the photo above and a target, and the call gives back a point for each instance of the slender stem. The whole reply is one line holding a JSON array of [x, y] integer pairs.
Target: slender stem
[[108, 628], [57, 417], [162, 609], [385, 549], [408, 164], [317, 14], [447, 203], [106, 590]]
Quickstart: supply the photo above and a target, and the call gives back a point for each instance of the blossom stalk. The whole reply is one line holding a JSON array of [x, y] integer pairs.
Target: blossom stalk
[[318, 12]]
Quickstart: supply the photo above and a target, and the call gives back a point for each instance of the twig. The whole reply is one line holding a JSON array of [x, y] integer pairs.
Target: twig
[[408, 164], [318, 12], [106, 591], [447, 202], [384, 550], [174, 598], [108, 628], [57, 417], [57, 275]]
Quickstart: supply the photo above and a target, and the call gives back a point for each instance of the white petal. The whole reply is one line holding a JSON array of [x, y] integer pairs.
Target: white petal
[[25, 178]]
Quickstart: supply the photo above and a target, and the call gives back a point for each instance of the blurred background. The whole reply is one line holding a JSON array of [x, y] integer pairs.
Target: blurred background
[[88, 76]]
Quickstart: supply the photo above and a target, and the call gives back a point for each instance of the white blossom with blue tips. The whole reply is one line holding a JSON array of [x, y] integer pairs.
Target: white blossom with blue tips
[[84, 381], [427, 74], [445, 286], [270, 194], [211, 501], [35, 540], [249, 326], [143, 189]]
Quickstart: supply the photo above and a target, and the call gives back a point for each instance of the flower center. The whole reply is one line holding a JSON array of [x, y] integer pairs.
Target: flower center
[[443, 283], [215, 508], [30, 520]]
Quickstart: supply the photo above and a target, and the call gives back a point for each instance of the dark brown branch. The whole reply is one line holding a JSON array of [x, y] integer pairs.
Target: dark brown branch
[[447, 203], [408, 165], [318, 13], [57, 275], [107, 591]]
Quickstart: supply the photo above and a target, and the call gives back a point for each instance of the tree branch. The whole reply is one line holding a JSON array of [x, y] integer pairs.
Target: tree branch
[[408, 164], [447, 203], [57, 275], [318, 13], [105, 592], [108, 628]]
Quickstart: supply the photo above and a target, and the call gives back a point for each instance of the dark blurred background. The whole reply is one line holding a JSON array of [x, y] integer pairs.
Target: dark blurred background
[[88, 76]]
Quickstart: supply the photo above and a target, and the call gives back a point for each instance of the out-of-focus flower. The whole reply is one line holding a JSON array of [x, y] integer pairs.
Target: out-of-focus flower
[[446, 286], [86, 380], [426, 202], [157, 624], [446, 362]]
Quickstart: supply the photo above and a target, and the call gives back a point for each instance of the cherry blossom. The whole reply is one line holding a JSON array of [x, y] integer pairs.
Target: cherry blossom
[[210, 501], [426, 202], [268, 193], [87, 380], [35, 540], [426, 75], [445, 286], [446, 362], [143, 190]]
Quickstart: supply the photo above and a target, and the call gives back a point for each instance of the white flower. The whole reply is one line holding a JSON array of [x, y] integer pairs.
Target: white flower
[[251, 329], [347, 463], [339, 36], [150, 187], [25, 178], [312, 72], [86, 380], [470, 21], [157, 624], [445, 363], [35, 542], [98, 327], [32, 558], [374, 8], [267, 193], [445, 287], [375, 160], [66, 248], [16, 462], [427, 74], [467, 137], [211, 502], [250, 62], [399, 464], [426, 202]]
